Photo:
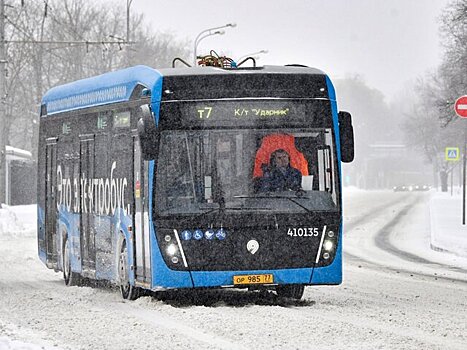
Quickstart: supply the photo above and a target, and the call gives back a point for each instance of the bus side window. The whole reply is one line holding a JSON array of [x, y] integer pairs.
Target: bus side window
[[101, 141]]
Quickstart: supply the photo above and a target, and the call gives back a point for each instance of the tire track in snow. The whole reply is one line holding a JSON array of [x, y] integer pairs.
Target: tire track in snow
[[374, 211], [160, 320], [398, 329], [382, 241], [377, 266]]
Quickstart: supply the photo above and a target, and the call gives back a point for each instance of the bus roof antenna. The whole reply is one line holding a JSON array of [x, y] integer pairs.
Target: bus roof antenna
[[181, 60], [247, 59]]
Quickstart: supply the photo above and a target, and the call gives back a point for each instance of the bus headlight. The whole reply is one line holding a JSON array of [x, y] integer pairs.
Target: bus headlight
[[171, 249], [328, 248], [328, 245]]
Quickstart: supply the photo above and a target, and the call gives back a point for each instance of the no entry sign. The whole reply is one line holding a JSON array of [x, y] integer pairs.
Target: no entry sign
[[461, 106]]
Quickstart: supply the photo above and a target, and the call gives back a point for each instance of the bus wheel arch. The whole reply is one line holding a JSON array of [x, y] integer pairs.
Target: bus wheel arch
[[71, 278], [127, 290]]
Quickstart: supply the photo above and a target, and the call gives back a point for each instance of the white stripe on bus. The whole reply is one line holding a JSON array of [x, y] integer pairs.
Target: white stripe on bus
[[320, 244], [180, 247]]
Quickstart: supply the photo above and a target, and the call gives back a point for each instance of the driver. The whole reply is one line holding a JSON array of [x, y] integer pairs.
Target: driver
[[279, 175]]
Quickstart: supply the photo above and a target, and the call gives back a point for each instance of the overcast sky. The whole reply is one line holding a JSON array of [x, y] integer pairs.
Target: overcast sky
[[387, 42]]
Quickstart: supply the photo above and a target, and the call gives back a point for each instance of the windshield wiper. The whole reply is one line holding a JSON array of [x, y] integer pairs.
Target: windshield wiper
[[275, 196], [232, 209], [208, 211], [301, 206]]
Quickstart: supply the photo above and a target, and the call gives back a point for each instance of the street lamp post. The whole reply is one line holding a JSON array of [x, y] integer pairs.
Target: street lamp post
[[128, 4], [217, 32], [208, 32]]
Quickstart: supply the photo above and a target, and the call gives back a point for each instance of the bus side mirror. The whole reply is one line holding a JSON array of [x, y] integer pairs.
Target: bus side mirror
[[346, 136], [147, 132]]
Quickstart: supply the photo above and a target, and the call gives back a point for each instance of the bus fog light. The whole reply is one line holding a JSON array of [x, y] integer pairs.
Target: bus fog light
[[174, 259], [326, 255], [331, 234], [167, 238], [328, 245], [171, 249]]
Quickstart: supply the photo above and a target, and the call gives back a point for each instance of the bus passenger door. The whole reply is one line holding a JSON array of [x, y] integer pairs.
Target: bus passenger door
[[140, 216], [51, 202], [88, 206]]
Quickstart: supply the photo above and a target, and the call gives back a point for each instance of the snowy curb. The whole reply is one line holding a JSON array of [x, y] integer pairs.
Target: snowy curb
[[447, 232]]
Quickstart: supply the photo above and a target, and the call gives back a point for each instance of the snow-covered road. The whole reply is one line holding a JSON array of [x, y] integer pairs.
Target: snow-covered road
[[397, 294]]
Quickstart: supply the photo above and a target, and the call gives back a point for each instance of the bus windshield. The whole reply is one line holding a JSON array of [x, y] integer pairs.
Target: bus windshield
[[209, 170]]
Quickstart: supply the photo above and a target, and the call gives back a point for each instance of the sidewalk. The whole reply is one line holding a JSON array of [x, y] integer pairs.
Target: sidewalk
[[447, 232]]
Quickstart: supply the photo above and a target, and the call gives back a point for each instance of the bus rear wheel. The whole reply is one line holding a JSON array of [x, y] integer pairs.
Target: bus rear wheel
[[293, 291], [128, 291], [71, 278]]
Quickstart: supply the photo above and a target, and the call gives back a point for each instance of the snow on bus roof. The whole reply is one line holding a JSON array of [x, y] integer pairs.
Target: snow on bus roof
[[102, 89]]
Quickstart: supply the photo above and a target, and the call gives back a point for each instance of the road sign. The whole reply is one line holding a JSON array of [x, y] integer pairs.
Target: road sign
[[452, 153], [461, 106]]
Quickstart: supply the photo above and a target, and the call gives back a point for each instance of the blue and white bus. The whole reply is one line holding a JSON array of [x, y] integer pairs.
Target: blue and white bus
[[148, 178]]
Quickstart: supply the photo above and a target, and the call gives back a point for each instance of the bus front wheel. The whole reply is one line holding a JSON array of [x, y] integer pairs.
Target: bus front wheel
[[127, 290], [71, 278], [293, 291]]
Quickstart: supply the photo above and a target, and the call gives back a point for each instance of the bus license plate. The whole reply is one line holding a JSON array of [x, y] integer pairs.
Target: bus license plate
[[253, 279]]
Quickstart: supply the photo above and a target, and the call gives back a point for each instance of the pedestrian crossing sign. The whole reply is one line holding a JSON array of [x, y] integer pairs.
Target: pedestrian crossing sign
[[452, 153]]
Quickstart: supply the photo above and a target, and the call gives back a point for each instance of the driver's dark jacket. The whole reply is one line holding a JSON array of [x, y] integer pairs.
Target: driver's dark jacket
[[275, 180]]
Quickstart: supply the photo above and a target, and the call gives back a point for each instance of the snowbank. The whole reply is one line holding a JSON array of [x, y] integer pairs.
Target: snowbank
[[8, 344], [10, 333], [20, 220], [447, 232]]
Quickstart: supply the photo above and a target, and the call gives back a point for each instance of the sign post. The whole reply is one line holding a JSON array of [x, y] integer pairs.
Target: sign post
[[461, 110], [463, 181], [452, 155]]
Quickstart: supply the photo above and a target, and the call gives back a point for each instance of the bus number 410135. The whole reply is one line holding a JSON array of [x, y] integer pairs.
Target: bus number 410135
[[303, 232]]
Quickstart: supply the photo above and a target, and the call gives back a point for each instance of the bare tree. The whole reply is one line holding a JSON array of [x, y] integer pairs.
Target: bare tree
[[58, 41], [452, 71], [432, 125]]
